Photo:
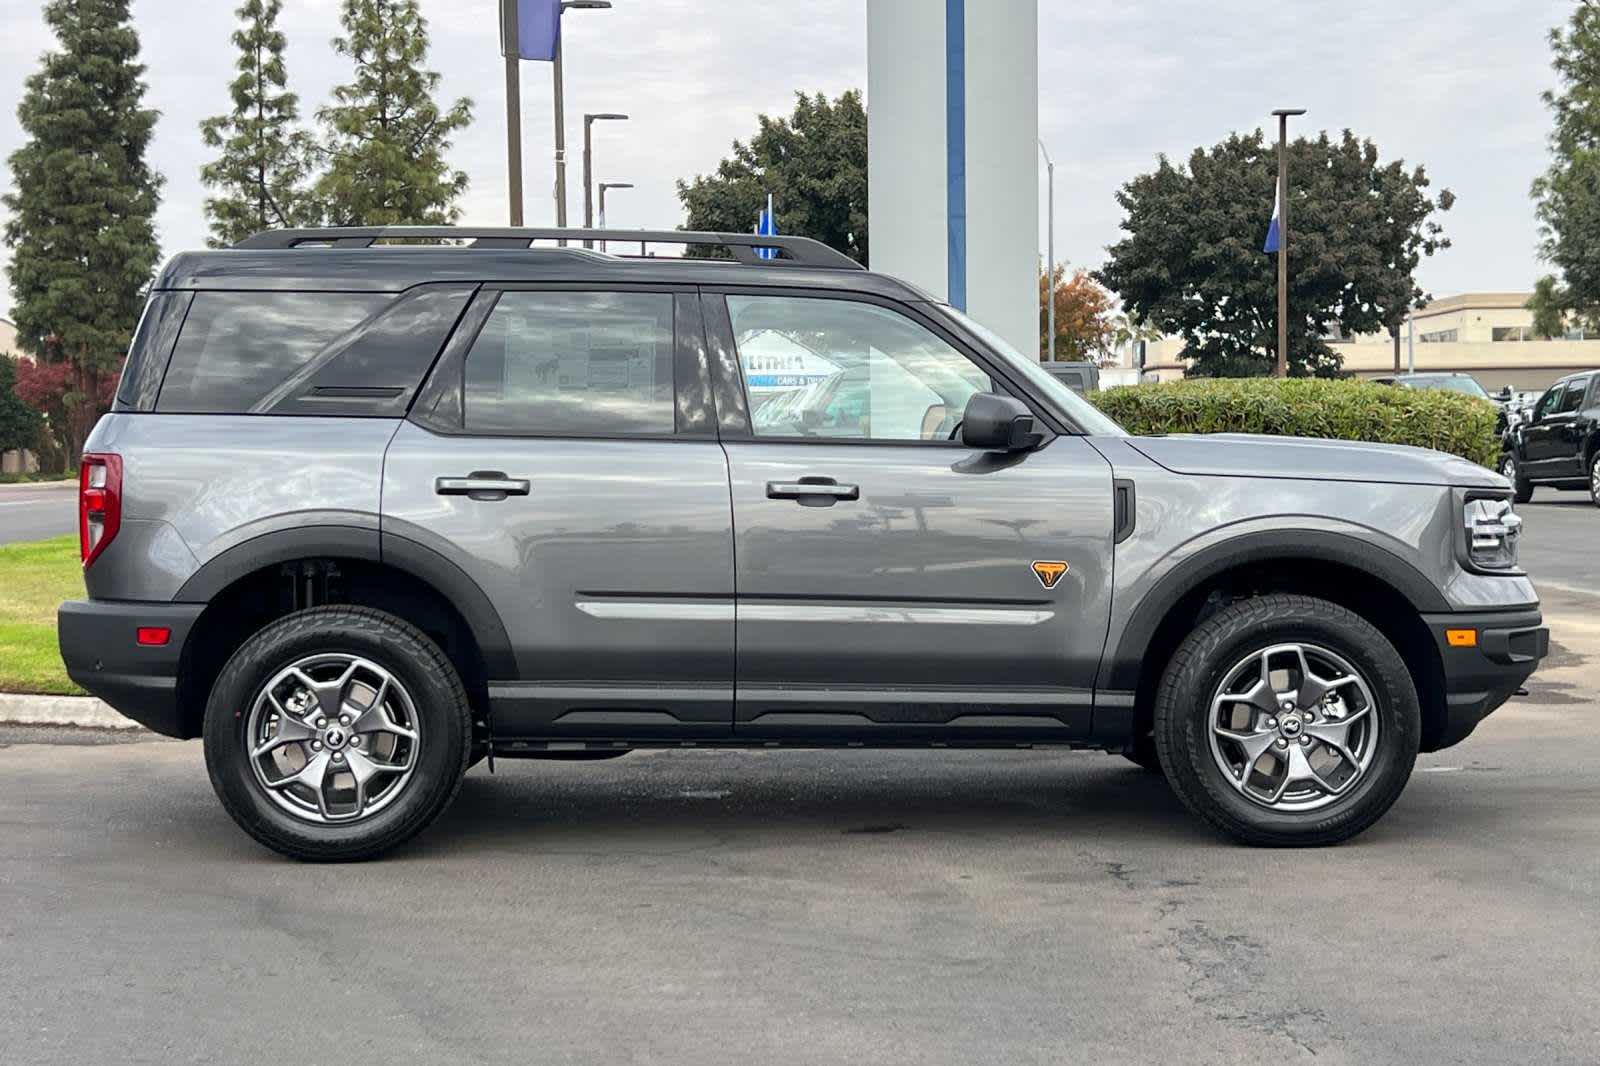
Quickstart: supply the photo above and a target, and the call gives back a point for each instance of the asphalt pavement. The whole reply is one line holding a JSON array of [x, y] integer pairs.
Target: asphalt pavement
[[37, 511], [817, 907], [1561, 540]]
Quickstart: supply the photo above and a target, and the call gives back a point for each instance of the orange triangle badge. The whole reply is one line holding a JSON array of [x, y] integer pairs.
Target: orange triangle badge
[[1049, 573]]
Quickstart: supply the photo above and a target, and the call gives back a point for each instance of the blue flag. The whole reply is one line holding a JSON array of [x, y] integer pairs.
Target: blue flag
[[1273, 236], [536, 25], [767, 226]]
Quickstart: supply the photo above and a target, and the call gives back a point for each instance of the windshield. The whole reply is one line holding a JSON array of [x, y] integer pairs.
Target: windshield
[[1451, 383], [1081, 411]]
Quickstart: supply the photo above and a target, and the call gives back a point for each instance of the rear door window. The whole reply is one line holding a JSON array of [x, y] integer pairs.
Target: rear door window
[[236, 348], [579, 364]]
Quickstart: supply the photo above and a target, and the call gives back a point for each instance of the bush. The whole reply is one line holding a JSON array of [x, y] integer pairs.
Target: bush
[[1310, 407]]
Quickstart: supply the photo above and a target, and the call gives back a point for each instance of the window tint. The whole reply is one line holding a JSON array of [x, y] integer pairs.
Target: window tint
[[373, 370], [835, 369], [1572, 398], [573, 363], [236, 347]]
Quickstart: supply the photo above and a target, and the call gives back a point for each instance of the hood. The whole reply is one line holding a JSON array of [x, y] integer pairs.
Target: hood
[[1260, 455]]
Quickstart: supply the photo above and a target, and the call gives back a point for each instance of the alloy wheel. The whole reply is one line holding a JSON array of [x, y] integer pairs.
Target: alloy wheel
[[333, 738], [1293, 727]]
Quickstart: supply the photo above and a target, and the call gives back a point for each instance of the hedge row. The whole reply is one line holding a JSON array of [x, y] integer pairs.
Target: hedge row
[[1310, 407]]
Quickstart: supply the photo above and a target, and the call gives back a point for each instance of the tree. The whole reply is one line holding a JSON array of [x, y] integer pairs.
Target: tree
[[814, 163], [1084, 328], [82, 229], [19, 423], [264, 160], [1192, 263], [385, 136], [1567, 196]]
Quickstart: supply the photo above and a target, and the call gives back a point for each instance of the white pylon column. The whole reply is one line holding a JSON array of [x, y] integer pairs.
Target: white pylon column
[[953, 123]]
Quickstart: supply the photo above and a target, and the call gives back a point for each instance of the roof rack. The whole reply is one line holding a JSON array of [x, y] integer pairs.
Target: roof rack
[[792, 251]]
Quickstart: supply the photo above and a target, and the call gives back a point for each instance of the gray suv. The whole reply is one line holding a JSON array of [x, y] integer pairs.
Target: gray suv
[[375, 504]]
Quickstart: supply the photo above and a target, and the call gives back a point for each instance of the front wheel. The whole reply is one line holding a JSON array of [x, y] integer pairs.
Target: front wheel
[[1287, 720], [1594, 478], [337, 733], [1521, 488]]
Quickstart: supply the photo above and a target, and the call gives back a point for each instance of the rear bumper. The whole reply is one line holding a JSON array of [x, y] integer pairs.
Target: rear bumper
[[1479, 678], [99, 647]]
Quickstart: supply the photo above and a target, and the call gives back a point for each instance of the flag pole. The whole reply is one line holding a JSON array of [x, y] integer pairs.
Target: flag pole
[[509, 48], [1283, 236]]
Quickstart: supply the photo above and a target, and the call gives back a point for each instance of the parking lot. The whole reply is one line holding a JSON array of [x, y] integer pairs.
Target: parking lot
[[1030, 906]]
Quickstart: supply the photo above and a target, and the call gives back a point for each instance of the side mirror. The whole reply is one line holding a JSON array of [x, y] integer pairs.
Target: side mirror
[[994, 423], [1506, 394]]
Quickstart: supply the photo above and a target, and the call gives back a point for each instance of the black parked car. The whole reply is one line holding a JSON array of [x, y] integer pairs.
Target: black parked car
[[1559, 443]]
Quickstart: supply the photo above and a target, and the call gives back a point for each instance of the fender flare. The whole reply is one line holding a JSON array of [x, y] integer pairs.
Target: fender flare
[[364, 543], [1123, 668]]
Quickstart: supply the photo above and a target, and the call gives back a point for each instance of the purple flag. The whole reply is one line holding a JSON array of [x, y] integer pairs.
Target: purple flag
[[530, 29]]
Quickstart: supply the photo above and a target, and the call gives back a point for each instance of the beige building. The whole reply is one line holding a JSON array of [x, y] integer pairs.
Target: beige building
[[1486, 334], [8, 337]]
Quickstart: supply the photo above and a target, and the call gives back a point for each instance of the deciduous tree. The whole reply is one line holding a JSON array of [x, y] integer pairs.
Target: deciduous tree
[[82, 230], [814, 163], [1192, 262], [1567, 196], [1084, 325], [264, 158], [385, 135]]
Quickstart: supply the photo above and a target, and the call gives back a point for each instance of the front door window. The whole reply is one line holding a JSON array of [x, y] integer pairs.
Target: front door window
[[841, 370]]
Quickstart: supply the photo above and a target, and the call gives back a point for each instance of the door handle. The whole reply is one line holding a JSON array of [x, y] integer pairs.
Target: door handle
[[482, 485], [823, 490]]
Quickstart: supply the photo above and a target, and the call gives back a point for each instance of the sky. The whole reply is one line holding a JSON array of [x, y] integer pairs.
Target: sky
[[1452, 86]]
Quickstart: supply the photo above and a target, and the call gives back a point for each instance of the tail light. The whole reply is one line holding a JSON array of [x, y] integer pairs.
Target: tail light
[[99, 503]]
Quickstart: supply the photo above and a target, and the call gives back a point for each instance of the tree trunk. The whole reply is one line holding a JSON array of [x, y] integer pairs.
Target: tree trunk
[[1394, 332]]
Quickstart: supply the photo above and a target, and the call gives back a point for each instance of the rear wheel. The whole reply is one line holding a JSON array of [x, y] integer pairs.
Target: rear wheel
[[1521, 488], [1594, 477], [1287, 720], [337, 733]]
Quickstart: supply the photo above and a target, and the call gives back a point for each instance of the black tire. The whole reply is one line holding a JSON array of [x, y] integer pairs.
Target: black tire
[[441, 704], [1198, 668], [1594, 477], [1521, 487]]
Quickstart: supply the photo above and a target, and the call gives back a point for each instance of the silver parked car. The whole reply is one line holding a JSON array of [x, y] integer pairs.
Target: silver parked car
[[367, 512]]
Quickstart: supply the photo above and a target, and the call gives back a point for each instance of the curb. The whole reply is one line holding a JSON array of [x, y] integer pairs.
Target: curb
[[86, 712]]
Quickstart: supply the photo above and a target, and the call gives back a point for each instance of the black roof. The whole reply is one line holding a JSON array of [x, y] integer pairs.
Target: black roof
[[357, 260]]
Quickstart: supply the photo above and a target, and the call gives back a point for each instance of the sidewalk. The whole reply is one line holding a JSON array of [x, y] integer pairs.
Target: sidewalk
[[85, 712]]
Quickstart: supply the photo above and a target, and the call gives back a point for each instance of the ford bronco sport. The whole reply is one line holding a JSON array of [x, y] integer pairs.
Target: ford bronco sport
[[374, 504]]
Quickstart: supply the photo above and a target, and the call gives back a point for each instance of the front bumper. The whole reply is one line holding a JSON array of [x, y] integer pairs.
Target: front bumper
[[1478, 678], [99, 646]]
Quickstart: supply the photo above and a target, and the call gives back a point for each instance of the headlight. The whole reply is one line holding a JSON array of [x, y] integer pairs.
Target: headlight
[[1493, 530]]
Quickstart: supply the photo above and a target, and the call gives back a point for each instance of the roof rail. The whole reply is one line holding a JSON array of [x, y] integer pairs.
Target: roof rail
[[792, 251]]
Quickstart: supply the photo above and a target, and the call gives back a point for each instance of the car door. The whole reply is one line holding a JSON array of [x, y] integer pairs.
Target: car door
[[1536, 432], [563, 455], [1560, 442], [891, 582]]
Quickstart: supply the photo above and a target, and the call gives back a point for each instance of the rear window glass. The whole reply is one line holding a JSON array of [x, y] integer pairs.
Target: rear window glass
[[573, 364], [237, 347]]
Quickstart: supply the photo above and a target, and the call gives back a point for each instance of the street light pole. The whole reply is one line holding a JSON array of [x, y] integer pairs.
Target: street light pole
[[588, 165], [561, 110], [604, 185], [1050, 255], [1284, 115]]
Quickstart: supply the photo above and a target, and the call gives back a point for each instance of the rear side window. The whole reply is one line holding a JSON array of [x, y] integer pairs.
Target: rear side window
[[237, 347], [573, 364], [147, 356]]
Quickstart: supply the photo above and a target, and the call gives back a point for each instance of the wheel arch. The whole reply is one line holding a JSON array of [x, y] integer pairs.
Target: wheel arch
[[1372, 581], [262, 579]]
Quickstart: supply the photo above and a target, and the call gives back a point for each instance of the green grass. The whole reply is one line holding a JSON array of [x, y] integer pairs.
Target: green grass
[[28, 479], [35, 577]]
